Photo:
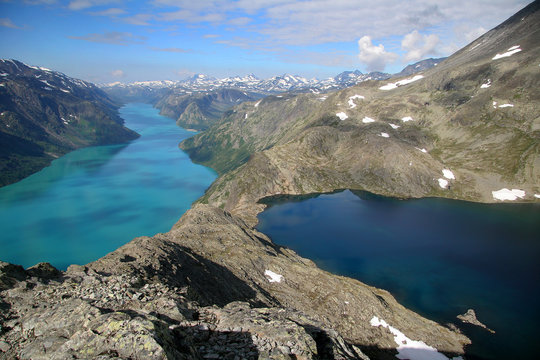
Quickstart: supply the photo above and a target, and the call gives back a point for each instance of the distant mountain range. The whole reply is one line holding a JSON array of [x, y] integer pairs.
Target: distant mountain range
[[44, 114], [199, 101], [251, 83]]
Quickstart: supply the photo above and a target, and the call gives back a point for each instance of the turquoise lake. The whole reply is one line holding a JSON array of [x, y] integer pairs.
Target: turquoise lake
[[93, 200], [437, 257]]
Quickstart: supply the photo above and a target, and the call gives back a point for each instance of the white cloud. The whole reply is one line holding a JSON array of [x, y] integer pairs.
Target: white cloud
[[5, 22], [40, 2], [118, 73], [303, 22], [374, 57], [113, 37], [109, 12], [139, 19], [418, 46], [173, 49], [85, 4]]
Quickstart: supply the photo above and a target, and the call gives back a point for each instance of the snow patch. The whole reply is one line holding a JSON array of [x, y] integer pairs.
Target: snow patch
[[422, 150], [443, 183], [342, 115], [352, 98], [391, 86], [505, 194], [407, 348], [394, 126], [494, 104], [385, 135], [406, 118], [272, 276], [511, 51], [367, 120], [486, 85], [537, 196], [448, 174], [506, 105], [322, 98], [4, 74], [66, 91], [245, 117], [257, 103]]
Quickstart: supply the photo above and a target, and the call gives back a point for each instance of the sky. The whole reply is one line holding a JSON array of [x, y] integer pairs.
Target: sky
[[105, 41]]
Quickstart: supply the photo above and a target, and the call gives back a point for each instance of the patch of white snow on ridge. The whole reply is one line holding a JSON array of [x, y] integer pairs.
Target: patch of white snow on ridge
[[422, 150], [511, 51], [367, 120], [537, 196], [448, 174], [506, 105], [443, 183], [342, 115], [272, 276], [486, 85], [406, 118], [257, 103], [505, 194], [66, 91], [246, 116], [385, 135], [407, 348], [391, 86], [4, 74], [394, 126], [322, 98], [351, 100]]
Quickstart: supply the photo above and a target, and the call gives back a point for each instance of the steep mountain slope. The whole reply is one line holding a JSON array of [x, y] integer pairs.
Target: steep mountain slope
[[200, 110], [476, 116], [45, 114]]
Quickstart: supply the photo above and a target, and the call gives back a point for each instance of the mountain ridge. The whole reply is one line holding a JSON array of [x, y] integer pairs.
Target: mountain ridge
[[272, 85]]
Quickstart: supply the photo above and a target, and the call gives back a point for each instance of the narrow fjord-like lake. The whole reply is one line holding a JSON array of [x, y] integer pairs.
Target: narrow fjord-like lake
[[437, 257], [93, 200]]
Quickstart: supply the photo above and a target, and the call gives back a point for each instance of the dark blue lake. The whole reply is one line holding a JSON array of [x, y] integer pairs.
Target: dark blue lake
[[437, 257], [93, 200]]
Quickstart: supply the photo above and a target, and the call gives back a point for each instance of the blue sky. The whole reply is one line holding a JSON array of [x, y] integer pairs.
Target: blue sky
[[130, 40]]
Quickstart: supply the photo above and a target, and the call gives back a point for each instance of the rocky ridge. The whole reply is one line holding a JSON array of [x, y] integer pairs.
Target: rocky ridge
[[212, 287]]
